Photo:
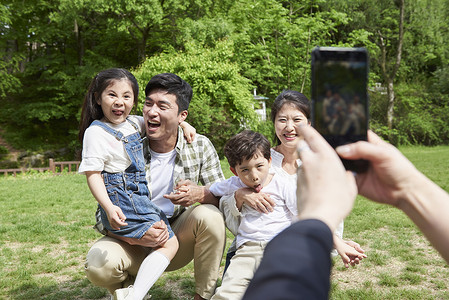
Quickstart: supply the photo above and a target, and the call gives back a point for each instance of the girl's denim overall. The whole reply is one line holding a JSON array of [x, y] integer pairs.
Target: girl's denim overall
[[129, 189]]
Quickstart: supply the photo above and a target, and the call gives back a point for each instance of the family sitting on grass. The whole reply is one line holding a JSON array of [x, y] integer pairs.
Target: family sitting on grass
[[147, 173]]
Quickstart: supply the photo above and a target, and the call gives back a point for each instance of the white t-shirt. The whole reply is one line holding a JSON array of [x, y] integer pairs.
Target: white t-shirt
[[161, 169], [256, 226], [103, 152], [276, 166]]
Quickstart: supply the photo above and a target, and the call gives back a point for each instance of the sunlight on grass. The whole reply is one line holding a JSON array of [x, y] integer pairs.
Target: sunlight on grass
[[46, 231]]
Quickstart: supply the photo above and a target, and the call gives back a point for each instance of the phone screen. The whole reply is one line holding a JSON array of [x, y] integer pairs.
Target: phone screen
[[340, 98]]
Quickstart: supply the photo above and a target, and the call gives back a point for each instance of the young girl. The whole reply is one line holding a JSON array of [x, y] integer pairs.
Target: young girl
[[113, 163]]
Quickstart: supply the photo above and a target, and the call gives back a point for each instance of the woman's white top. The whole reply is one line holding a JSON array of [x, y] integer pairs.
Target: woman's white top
[[276, 165]]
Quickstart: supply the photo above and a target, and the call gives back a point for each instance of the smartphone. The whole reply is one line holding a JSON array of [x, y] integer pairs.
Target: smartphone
[[340, 97]]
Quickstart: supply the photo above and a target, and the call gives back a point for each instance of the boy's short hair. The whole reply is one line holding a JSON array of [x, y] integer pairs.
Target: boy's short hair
[[245, 145]]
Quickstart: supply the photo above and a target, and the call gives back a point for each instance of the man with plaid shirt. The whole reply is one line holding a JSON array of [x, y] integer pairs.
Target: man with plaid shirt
[[173, 169]]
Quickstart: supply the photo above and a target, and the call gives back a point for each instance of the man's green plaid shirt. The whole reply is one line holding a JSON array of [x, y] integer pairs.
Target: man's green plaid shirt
[[197, 162]]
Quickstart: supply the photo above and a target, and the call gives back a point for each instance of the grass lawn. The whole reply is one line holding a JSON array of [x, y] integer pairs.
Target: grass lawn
[[46, 231]]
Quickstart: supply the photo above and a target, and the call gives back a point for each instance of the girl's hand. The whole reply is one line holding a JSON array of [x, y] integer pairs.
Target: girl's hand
[[116, 217], [189, 131]]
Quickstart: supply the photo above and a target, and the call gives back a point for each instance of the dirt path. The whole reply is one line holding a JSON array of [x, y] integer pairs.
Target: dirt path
[[12, 153]]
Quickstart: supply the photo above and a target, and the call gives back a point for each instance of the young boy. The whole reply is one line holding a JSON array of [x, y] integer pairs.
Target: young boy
[[248, 154]]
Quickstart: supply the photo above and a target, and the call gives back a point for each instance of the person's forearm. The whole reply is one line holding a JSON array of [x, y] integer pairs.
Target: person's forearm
[[338, 242], [98, 189], [427, 205], [238, 199], [230, 213], [208, 198]]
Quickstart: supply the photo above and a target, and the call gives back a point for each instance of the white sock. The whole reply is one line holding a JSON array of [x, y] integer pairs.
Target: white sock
[[150, 270]]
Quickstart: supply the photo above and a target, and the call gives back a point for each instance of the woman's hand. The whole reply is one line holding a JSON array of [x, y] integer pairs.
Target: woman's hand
[[355, 245], [349, 251]]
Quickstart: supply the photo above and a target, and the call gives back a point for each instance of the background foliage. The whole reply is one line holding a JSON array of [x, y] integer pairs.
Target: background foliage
[[51, 49]]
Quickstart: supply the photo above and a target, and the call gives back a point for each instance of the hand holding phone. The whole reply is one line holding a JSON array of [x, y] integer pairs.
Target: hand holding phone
[[340, 97]]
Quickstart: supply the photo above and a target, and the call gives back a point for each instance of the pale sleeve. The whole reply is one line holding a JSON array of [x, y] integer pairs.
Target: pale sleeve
[[230, 212], [225, 187], [140, 123], [93, 155], [290, 199], [339, 230]]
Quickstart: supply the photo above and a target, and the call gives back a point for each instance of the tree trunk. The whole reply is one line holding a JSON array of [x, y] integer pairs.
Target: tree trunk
[[389, 76], [390, 109], [79, 43]]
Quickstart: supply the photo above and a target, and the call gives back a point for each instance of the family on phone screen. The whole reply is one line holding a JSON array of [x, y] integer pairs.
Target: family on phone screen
[[343, 115]]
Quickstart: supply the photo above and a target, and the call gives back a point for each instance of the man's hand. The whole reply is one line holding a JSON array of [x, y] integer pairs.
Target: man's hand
[[187, 193], [156, 236]]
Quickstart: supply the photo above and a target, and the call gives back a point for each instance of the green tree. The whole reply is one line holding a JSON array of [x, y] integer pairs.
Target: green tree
[[55, 69], [137, 19], [51, 49], [425, 38], [10, 59], [274, 40], [384, 20]]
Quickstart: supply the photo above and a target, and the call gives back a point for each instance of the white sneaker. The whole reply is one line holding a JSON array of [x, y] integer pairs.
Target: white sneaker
[[124, 294], [127, 294]]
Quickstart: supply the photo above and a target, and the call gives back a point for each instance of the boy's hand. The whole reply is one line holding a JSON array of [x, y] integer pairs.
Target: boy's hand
[[116, 217], [258, 201]]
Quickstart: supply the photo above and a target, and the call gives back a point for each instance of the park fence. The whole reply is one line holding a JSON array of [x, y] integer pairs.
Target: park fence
[[57, 167]]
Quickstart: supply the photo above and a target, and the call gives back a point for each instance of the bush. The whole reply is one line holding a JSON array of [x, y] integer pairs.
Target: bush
[[422, 116], [3, 150], [9, 164], [267, 129], [222, 101]]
